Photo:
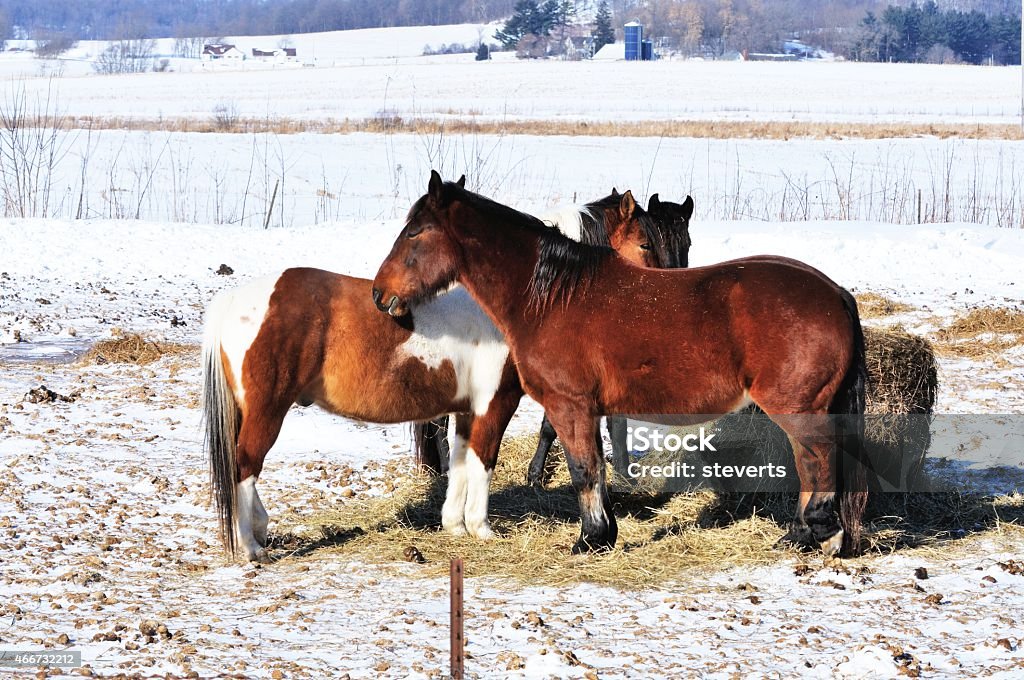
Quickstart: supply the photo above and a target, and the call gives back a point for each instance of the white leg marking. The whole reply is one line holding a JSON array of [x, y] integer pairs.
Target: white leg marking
[[833, 545], [479, 489], [260, 519], [592, 500], [454, 510], [245, 493]]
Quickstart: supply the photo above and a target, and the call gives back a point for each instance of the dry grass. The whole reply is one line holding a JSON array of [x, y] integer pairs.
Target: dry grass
[[132, 348], [873, 306], [662, 538], [471, 125], [982, 332]]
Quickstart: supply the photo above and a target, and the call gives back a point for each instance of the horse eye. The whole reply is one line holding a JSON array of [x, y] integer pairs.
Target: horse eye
[[645, 246], [413, 232]]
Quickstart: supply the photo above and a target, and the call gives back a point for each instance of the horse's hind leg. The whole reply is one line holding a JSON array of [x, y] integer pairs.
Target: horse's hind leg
[[256, 436], [453, 514], [260, 519], [538, 474], [817, 522]]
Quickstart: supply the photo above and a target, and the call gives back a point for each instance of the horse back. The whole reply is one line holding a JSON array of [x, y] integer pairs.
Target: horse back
[[720, 330]]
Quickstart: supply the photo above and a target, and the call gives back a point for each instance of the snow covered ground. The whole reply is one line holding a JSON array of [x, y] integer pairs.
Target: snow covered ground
[[105, 530], [105, 525], [209, 177], [379, 76]]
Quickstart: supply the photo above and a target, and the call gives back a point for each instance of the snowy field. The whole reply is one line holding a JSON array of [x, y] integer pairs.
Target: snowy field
[[105, 524], [365, 74], [230, 178], [105, 527]]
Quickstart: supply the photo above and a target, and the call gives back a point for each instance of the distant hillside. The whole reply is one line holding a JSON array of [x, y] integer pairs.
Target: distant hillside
[[116, 19]]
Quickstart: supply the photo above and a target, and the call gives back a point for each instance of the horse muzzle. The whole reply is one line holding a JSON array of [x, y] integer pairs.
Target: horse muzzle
[[394, 305]]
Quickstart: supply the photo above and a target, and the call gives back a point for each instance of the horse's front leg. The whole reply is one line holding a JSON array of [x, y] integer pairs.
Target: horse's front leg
[[537, 474], [482, 456], [453, 514], [617, 432], [581, 440]]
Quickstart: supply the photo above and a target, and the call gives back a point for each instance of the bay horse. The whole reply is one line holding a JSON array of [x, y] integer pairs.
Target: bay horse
[[709, 340], [669, 245], [307, 336]]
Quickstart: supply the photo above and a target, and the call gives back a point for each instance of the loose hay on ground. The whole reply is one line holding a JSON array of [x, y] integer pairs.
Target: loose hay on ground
[[132, 348], [982, 332], [874, 305], [660, 536]]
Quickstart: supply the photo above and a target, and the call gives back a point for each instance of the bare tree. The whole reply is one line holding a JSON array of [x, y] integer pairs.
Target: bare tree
[[32, 144], [131, 55]]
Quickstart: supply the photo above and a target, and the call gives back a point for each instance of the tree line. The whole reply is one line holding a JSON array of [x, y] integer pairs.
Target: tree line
[[925, 33], [884, 30]]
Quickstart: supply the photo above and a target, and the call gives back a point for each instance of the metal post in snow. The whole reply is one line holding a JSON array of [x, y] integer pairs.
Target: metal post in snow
[[458, 640]]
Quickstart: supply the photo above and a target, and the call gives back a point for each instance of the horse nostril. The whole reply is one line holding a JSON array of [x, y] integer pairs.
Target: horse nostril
[[377, 295]]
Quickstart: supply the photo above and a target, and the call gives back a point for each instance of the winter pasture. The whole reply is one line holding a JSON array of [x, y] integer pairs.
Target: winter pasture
[[149, 183]]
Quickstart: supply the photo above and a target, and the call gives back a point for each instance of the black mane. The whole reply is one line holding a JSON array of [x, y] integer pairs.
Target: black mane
[[563, 267]]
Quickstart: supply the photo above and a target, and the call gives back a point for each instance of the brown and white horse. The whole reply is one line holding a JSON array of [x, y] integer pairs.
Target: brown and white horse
[[308, 336], [708, 340]]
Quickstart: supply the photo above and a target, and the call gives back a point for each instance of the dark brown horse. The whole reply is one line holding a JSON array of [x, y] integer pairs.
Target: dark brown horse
[[592, 334], [309, 336]]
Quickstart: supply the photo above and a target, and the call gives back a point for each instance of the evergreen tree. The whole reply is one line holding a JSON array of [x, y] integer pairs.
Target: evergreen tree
[[603, 33], [526, 18]]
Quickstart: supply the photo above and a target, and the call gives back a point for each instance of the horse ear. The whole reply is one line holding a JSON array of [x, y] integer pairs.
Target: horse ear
[[615, 192], [627, 205], [687, 208], [462, 182], [435, 189], [653, 202]]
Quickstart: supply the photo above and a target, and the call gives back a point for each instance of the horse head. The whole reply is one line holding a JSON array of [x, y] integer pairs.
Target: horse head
[[634, 235], [423, 262], [673, 219]]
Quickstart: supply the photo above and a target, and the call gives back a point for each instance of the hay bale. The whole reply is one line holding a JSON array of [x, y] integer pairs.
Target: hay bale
[[132, 348]]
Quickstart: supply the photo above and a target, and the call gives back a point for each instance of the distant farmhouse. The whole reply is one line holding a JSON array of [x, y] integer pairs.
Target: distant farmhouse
[[218, 51], [579, 47], [279, 55]]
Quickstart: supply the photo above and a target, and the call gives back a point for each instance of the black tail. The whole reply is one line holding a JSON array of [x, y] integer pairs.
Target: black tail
[[430, 444], [221, 420], [852, 478]]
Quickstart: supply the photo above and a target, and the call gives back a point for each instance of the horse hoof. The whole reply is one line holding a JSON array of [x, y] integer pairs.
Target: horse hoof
[[833, 545], [261, 556], [482, 533], [798, 536], [455, 529], [585, 547]]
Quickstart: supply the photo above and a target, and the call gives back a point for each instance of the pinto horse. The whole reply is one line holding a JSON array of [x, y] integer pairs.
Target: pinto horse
[[308, 336], [765, 330], [669, 224]]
